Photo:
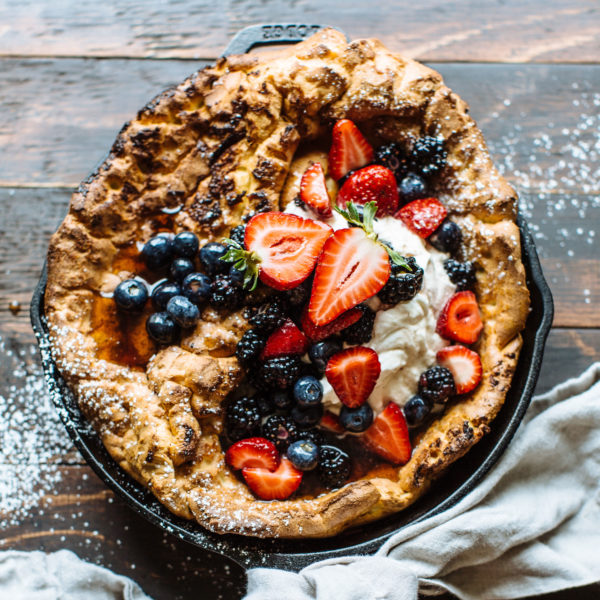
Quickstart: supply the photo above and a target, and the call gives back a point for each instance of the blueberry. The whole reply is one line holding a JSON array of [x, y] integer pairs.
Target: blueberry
[[210, 257], [161, 327], [415, 410], [356, 419], [196, 287], [236, 276], [131, 295], [184, 312], [282, 400], [306, 418], [180, 268], [163, 292], [185, 244], [411, 187], [447, 237], [303, 454], [157, 252], [321, 352], [308, 392]]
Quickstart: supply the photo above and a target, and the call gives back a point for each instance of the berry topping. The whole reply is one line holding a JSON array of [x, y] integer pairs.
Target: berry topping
[[131, 295], [185, 244], [163, 292], [299, 295], [158, 252], [255, 452], [306, 418], [184, 312], [280, 372], [268, 317], [331, 422], [334, 466], [411, 187], [313, 190], [461, 274], [358, 419], [273, 485], [280, 430], [404, 283], [282, 400], [393, 157], [353, 373], [416, 410], [196, 287], [210, 257], [237, 234], [361, 331], [224, 293], [447, 237], [388, 435], [428, 156], [249, 347], [285, 340], [180, 268], [315, 435], [321, 352], [308, 391], [317, 333], [460, 319], [161, 328], [303, 454], [423, 216], [349, 149], [436, 385], [242, 418], [465, 366], [371, 184], [236, 276]]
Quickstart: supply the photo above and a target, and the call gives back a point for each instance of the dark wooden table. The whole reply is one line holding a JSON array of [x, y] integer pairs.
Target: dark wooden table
[[72, 72]]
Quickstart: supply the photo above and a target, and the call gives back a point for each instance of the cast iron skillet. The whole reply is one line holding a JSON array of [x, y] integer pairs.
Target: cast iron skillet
[[460, 479]]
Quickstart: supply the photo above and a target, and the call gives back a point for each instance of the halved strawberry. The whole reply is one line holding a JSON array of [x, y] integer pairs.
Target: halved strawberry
[[331, 422], [352, 374], [284, 247], [373, 183], [423, 216], [253, 452], [313, 190], [464, 364], [316, 333], [351, 268], [285, 341], [388, 435], [460, 319], [273, 485], [349, 149]]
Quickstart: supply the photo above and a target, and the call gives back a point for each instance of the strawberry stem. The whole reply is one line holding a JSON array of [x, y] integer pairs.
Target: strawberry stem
[[243, 260]]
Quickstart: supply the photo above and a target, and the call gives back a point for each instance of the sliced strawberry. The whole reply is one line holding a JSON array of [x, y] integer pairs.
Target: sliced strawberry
[[253, 452], [373, 183], [423, 216], [464, 364], [313, 190], [352, 374], [316, 333], [286, 246], [351, 268], [460, 319], [330, 422], [349, 149], [273, 485], [388, 435], [285, 341]]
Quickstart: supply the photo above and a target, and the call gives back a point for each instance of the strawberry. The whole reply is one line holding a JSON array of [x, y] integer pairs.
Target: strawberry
[[464, 364], [349, 149], [388, 435], [330, 422], [460, 319], [373, 183], [352, 374], [256, 452], [313, 190], [351, 268], [273, 485], [423, 216], [285, 341], [316, 333]]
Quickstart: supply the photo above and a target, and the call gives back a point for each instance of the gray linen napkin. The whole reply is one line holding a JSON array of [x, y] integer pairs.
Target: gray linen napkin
[[532, 526]]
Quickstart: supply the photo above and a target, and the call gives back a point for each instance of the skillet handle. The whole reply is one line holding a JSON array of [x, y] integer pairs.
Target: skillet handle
[[270, 34]]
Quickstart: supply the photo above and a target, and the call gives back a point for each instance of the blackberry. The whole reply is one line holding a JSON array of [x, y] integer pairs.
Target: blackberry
[[299, 295], [268, 317], [428, 156], [462, 274], [334, 466], [436, 385], [249, 347], [281, 431], [277, 373], [224, 293], [314, 435], [393, 157], [447, 237], [237, 234], [242, 418], [402, 285], [361, 331]]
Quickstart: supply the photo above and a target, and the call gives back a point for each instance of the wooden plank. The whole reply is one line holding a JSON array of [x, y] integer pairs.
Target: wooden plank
[[466, 30]]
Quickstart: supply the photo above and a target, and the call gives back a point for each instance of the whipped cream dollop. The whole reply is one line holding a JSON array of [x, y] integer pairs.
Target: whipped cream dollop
[[404, 336]]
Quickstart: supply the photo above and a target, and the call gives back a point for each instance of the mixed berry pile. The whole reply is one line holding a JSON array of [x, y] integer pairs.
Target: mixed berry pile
[[314, 321]]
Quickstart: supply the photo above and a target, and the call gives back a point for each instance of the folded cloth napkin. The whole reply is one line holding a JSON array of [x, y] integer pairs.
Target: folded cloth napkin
[[532, 525]]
